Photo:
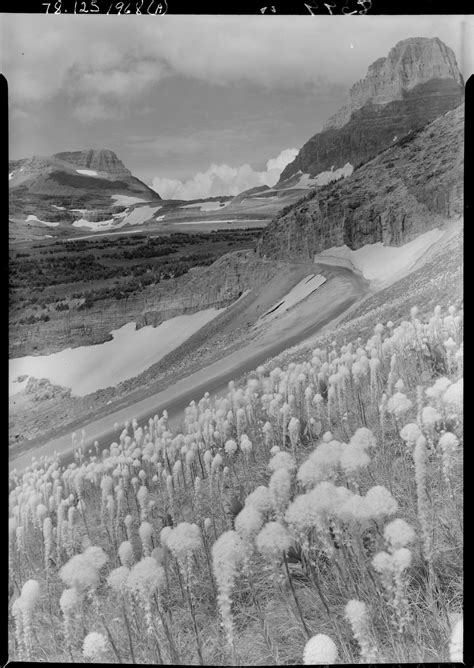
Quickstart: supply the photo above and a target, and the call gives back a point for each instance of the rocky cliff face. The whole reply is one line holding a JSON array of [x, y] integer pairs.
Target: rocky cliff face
[[407, 189], [418, 81]]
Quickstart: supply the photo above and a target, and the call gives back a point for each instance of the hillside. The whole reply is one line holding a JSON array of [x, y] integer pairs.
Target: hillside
[[63, 189], [406, 190], [418, 81]]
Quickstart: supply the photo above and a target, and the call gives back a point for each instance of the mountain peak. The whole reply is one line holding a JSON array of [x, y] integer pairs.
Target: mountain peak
[[101, 160], [409, 63]]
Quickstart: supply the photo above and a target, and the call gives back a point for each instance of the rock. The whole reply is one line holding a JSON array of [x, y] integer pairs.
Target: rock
[[408, 189], [417, 82]]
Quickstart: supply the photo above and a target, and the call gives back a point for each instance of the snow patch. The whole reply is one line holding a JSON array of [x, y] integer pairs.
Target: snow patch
[[205, 206], [378, 263], [87, 172], [299, 292], [101, 225], [15, 385], [126, 200], [211, 222], [35, 219], [89, 368], [61, 208], [140, 215]]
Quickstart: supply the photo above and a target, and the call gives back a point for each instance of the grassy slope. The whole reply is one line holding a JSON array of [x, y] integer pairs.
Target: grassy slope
[[267, 617]]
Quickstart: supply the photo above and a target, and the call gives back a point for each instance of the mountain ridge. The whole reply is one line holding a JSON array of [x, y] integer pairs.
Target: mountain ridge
[[405, 190], [418, 81]]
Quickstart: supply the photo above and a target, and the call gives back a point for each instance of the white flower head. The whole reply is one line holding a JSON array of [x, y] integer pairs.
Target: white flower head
[[399, 404], [364, 438], [260, 499], [95, 647], [410, 432], [273, 539], [456, 642], [96, 555], [69, 601], [282, 460], [146, 577], [117, 579], [184, 539], [380, 502], [398, 533], [248, 522], [125, 553], [80, 572], [320, 650], [353, 457]]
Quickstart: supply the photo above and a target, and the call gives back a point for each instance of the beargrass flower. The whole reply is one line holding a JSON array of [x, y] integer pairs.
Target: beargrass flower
[[260, 499], [248, 522], [456, 643], [353, 458], [438, 389], [364, 438], [80, 572], [380, 502], [125, 553], [230, 447], [320, 650], [117, 579], [145, 578], [398, 533], [410, 432], [280, 488], [184, 539], [95, 647], [96, 555], [273, 540], [146, 536], [357, 616], [453, 397], [228, 552], [282, 460], [399, 404]]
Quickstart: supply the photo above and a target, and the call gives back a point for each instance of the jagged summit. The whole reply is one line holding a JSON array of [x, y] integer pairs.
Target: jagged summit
[[415, 83], [411, 62]]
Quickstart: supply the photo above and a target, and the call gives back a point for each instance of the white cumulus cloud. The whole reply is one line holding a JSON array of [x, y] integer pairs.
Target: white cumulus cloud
[[224, 180]]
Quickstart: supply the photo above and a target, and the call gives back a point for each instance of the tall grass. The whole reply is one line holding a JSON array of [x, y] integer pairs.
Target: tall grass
[[313, 514]]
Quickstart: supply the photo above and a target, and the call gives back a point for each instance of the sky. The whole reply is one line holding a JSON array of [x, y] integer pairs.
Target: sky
[[194, 105]]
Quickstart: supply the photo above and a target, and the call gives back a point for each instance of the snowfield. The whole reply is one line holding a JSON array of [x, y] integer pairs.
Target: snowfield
[[87, 172], [101, 225], [378, 263], [205, 206], [140, 215], [299, 292], [35, 219], [126, 200], [89, 368]]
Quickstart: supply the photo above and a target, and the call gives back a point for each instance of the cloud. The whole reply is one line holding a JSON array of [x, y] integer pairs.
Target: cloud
[[115, 59], [224, 180]]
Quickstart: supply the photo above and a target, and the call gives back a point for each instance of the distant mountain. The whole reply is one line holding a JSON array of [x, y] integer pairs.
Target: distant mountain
[[53, 188], [410, 188], [418, 81]]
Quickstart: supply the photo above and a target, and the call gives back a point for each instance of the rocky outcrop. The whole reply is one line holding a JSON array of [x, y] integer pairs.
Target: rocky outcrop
[[406, 190], [411, 62], [418, 81]]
